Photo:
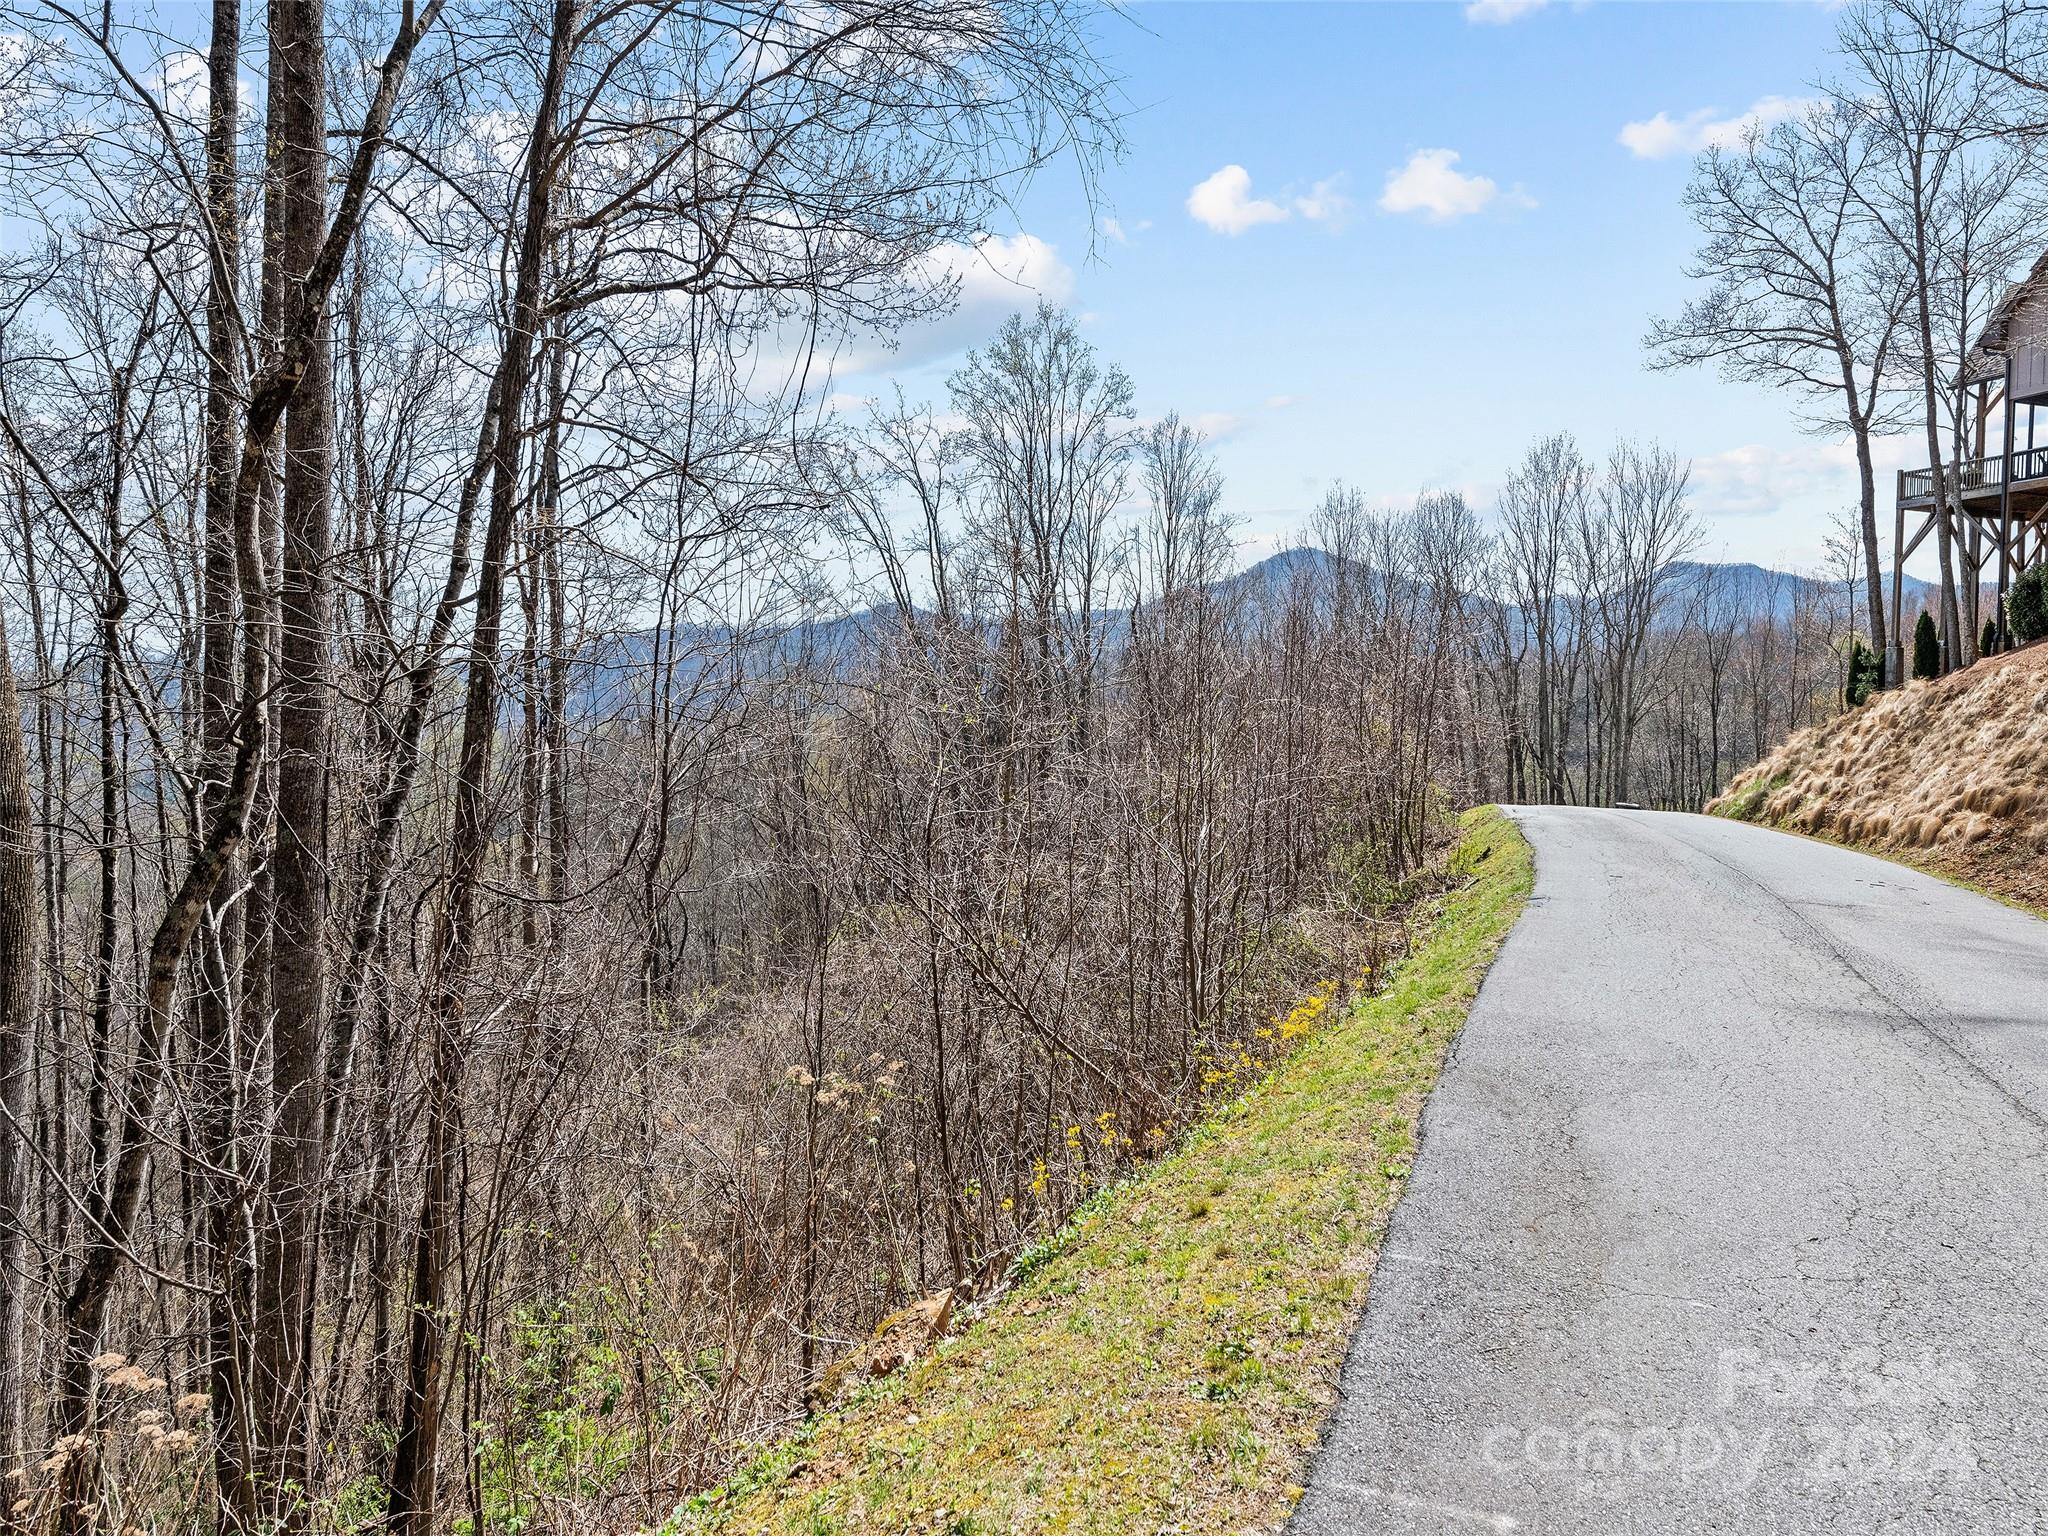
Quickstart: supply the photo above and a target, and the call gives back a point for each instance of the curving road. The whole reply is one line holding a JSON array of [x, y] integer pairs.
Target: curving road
[[1731, 1213]]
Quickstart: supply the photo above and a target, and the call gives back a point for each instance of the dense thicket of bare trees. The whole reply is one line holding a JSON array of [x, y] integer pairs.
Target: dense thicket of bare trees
[[496, 989], [1608, 665]]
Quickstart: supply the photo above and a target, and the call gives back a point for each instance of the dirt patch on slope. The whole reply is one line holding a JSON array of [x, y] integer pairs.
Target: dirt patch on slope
[[1951, 774]]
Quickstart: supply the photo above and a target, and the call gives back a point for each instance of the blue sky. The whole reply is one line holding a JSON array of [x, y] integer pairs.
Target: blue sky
[[1327, 323]]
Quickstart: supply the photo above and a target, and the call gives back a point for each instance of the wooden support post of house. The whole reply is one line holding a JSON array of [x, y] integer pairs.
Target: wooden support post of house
[[2005, 514], [1895, 672]]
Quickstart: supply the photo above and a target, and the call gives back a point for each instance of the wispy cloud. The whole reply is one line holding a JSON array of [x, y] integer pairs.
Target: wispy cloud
[[1660, 137], [1120, 233], [1498, 13], [1325, 203], [1224, 202], [1432, 187], [1217, 425], [1756, 480], [989, 278]]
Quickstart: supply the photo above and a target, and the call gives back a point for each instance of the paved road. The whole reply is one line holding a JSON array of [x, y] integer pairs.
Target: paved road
[[1731, 1213]]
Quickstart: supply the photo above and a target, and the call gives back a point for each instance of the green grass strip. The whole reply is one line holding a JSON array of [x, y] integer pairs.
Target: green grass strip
[[1166, 1361]]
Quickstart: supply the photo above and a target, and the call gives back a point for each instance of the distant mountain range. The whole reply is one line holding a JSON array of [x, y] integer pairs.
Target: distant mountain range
[[1738, 586], [1757, 589], [617, 665]]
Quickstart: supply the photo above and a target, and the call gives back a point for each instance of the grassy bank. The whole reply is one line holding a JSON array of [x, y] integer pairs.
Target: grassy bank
[[1946, 776], [1165, 1362]]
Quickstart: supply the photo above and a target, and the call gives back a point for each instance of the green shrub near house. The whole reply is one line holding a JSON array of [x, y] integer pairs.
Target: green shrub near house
[[1865, 673], [1926, 647], [2026, 604]]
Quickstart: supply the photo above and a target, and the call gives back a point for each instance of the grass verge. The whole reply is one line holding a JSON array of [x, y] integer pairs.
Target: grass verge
[[1165, 1362]]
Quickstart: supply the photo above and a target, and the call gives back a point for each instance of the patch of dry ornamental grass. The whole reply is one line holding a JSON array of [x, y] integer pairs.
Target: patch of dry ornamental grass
[[1950, 774]]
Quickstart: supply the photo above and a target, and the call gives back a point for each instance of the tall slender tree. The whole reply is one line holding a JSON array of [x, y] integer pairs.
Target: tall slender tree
[[1928, 113], [19, 1003], [1800, 294], [283, 1312]]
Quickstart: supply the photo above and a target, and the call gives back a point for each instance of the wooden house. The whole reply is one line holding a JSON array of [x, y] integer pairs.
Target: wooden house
[[1999, 484]]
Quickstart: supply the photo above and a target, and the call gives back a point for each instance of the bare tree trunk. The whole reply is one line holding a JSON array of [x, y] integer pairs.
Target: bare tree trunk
[[1951, 639], [217, 1067], [412, 1492], [18, 1000], [83, 1312], [1964, 648], [298, 991], [555, 713], [1873, 571]]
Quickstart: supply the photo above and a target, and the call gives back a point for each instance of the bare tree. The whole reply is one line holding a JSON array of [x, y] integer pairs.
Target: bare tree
[[1928, 113], [19, 1002], [1049, 442], [1799, 296], [1544, 500], [1629, 536], [1186, 543]]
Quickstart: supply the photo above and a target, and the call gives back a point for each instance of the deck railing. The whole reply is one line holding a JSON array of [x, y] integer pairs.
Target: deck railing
[[1985, 474]]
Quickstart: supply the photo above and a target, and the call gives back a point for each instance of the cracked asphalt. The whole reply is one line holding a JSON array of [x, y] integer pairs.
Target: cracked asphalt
[[1730, 1215]]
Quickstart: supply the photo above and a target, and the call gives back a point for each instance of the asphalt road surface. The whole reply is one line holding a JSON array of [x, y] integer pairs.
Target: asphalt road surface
[[1731, 1212]]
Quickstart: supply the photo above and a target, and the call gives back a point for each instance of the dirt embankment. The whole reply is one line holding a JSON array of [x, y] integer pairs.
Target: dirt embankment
[[1952, 775]]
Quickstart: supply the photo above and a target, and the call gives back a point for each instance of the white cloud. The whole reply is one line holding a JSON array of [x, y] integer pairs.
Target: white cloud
[[1224, 202], [1660, 137], [1216, 426], [187, 90], [1431, 185], [991, 277], [1004, 270], [1498, 13], [1756, 479], [183, 80], [1113, 229], [1325, 203]]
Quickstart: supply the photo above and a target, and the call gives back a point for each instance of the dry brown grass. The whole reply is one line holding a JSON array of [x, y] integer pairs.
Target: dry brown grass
[[1952, 774]]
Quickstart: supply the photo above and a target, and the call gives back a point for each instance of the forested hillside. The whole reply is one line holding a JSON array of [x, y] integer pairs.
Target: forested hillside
[[499, 986]]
